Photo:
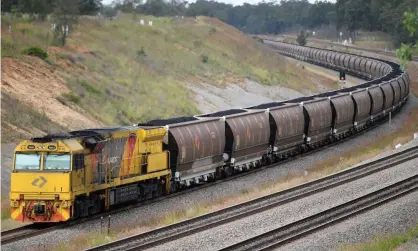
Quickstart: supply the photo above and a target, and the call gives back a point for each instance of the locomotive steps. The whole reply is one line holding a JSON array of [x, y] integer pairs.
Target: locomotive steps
[[188, 227]]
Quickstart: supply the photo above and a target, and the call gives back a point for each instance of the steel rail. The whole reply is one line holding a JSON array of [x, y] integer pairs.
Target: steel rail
[[188, 227], [26, 231], [298, 229]]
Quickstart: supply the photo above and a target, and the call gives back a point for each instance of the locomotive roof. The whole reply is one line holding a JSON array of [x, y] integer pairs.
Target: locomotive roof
[[97, 133]]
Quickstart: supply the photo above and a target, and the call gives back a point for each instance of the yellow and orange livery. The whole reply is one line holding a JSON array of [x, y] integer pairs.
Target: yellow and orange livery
[[59, 177]]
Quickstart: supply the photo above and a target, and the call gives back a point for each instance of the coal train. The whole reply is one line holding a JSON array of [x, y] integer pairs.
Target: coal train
[[80, 173]]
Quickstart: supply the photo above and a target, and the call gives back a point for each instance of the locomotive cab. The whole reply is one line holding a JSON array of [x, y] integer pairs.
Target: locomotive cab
[[41, 181]]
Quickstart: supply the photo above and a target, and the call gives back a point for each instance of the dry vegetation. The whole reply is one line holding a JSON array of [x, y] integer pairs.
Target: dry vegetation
[[384, 242], [120, 72]]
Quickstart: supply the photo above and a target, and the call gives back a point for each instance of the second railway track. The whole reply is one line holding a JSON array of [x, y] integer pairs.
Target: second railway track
[[27, 231], [298, 229], [188, 227]]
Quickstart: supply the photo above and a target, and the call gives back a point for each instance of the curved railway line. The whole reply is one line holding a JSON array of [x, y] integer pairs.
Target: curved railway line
[[382, 74], [27, 231], [181, 229], [386, 53]]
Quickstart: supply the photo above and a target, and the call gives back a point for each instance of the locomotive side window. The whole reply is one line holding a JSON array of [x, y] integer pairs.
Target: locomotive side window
[[57, 162], [28, 161], [78, 161]]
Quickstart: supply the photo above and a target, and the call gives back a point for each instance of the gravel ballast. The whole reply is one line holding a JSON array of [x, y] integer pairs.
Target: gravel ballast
[[390, 218], [141, 215], [243, 229]]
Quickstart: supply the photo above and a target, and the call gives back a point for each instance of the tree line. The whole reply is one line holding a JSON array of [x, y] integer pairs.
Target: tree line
[[279, 17], [45, 7], [263, 18]]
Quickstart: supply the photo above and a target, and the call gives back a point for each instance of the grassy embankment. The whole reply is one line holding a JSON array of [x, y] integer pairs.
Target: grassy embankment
[[385, 242], [365, 39], [121, 72]]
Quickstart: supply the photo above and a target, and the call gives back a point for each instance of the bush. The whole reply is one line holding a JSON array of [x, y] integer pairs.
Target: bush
[[197, 43], [204, 58], [88, 87], [212, 30], [141, 52], [36, 51], [301, 39], [71, 97]]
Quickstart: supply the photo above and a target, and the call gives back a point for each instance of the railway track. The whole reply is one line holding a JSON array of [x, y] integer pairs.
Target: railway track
[[21, 233], [175, 231], [27, 231], [391, 54], [298, 229]]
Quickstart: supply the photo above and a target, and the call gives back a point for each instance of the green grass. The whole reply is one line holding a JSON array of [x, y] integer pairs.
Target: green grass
[[122, 72], [384, 243]]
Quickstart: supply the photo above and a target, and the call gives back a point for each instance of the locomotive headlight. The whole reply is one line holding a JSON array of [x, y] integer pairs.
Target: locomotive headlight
[[15, 203]]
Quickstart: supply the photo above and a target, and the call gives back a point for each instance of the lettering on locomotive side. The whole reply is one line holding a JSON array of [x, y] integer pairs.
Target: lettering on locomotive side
[[126, 193], [111, 160]]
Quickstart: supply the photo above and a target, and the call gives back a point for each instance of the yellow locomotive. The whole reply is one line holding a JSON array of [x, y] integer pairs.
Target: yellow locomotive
[[63, 176]]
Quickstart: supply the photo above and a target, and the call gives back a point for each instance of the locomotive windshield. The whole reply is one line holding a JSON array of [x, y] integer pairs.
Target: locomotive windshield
[[28, 161], [57, 161], [50, 161]]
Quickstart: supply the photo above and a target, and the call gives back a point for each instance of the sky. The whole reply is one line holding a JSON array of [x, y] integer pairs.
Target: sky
[[233, 2]]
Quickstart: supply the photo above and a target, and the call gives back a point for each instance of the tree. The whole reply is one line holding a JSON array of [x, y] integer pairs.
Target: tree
[[65, 15], [301, 39], [89, 7], [404, 53]]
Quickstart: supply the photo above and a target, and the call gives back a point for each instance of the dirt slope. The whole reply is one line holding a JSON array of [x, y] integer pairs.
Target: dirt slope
[[119, 72], [38, 86]]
